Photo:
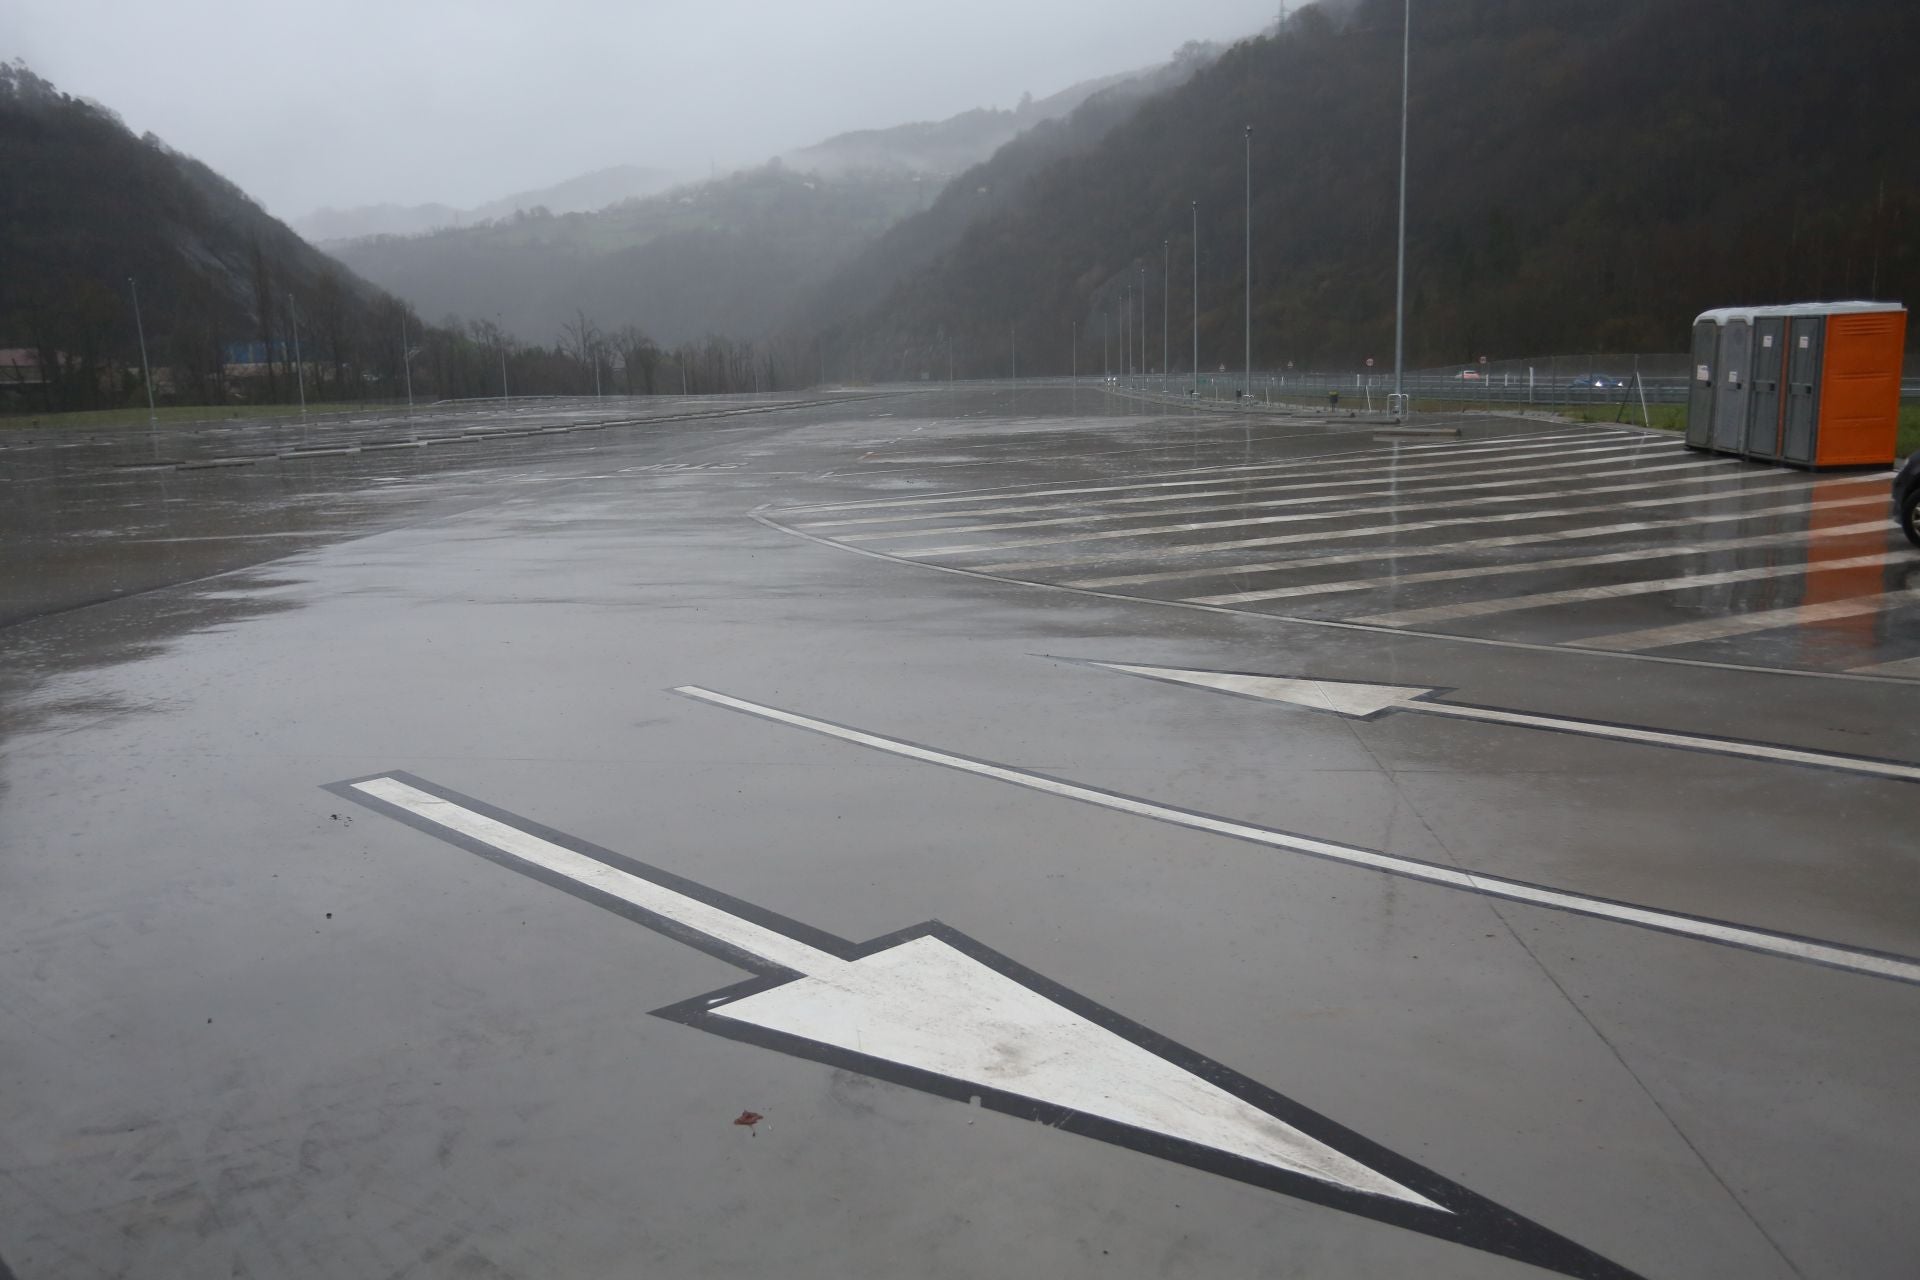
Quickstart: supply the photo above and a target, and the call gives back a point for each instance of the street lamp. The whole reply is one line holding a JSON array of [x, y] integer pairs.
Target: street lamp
[[1249, 301], [1166, 282], [406, 358], [1196, 299], [299, 365], [146, 370], [506, 399], [1399, 407]]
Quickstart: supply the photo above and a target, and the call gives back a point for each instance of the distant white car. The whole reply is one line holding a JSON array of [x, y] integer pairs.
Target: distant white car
[[1469, 375]]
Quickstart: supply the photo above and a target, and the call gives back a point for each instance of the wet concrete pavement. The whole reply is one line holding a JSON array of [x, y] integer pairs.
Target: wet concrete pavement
[[250, 1027]]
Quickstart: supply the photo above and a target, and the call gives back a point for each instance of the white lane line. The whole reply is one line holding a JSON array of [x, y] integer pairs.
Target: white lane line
[[1374, 555], [1899, 968], [1382, 530], [1739, 624], [1327, 536], [1202, 475], [1615, 590], [1565, 459], [531, 850], [1392, 580], [1357, 700], [1564, 487], [1304, 517], [1907, 667]]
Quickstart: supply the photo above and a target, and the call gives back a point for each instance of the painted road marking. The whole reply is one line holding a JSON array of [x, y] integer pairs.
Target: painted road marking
[[932, 1009], [1368, 531], [1239, 501], [1360, 701], [1391, 580], [1876, 964], [1616, 590], [1194, 476], [1908, 667], [1576, 461], [1374, 555], [1740, 624], [1203, 526]]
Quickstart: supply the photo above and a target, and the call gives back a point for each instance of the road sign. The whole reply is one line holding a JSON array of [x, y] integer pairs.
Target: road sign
[[932, 1009], [1368, 701]]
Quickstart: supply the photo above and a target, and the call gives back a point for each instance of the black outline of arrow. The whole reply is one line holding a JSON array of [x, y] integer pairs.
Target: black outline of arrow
[[1470, 1220]]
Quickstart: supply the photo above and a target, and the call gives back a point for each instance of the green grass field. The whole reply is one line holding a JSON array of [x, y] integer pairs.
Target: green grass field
[[177, 415]]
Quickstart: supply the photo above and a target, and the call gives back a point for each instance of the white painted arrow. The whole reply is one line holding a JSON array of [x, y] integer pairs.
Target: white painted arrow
[[934, 1010], [1365, 701]]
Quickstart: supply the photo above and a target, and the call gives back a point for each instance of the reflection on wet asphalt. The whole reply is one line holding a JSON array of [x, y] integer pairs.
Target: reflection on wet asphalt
[[249, 1026]]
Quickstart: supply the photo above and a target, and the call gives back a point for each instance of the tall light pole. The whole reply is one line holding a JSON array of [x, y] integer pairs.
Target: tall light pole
[[406, 357], [505, 399], [146, 370], [1196, 298], [1106, 336], [1126, 331], [299, 365], [1166, 283], [1400, 287], [1013, 347], [1143, 320], [1073, 352], [1249, 301]]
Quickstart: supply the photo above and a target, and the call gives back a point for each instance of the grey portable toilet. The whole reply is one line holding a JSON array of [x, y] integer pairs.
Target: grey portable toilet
[[1764, 433], [1706, 356], [1733, 383]]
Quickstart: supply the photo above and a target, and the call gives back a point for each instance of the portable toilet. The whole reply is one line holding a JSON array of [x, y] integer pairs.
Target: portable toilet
[[1813, 385], [1722, 374]]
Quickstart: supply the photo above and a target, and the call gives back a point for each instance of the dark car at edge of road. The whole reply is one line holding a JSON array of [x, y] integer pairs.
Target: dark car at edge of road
[[1906, 498]]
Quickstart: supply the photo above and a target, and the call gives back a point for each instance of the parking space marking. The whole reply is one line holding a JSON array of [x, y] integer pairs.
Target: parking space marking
[[1566, 460], [1834, 955], [1201, 475], [1618, 590], [1205, 526], [1240, 501], [1389, 581], [1374, 555], [932, 1009], [1739, 624], [1338, 535]]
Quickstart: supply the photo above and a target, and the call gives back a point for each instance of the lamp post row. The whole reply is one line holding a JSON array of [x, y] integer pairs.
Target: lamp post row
[[1399, 401]]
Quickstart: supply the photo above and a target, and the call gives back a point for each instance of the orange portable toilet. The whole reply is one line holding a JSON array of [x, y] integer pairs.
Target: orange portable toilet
[[1820, 386], [1856, 410]]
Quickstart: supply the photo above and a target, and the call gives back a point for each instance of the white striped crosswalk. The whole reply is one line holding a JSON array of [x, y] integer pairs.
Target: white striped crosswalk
[[1664, 524]]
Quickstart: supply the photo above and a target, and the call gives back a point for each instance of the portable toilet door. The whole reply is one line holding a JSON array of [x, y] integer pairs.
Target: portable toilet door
[[1706, 354], [1733, 384], [1858, 419], [1764, 425], [1806, 342]]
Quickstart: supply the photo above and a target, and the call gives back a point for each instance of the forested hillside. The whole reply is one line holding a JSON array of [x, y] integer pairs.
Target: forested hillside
[[88, 207], [1586, 175]]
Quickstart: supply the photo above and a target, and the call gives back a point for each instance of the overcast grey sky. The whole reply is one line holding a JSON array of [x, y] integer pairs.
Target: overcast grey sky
[[361, 101]]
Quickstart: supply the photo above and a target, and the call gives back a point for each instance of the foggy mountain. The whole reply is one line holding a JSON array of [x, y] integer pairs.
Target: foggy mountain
[[945, 147], [1586, 175], [736, 255], [579, 194]]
